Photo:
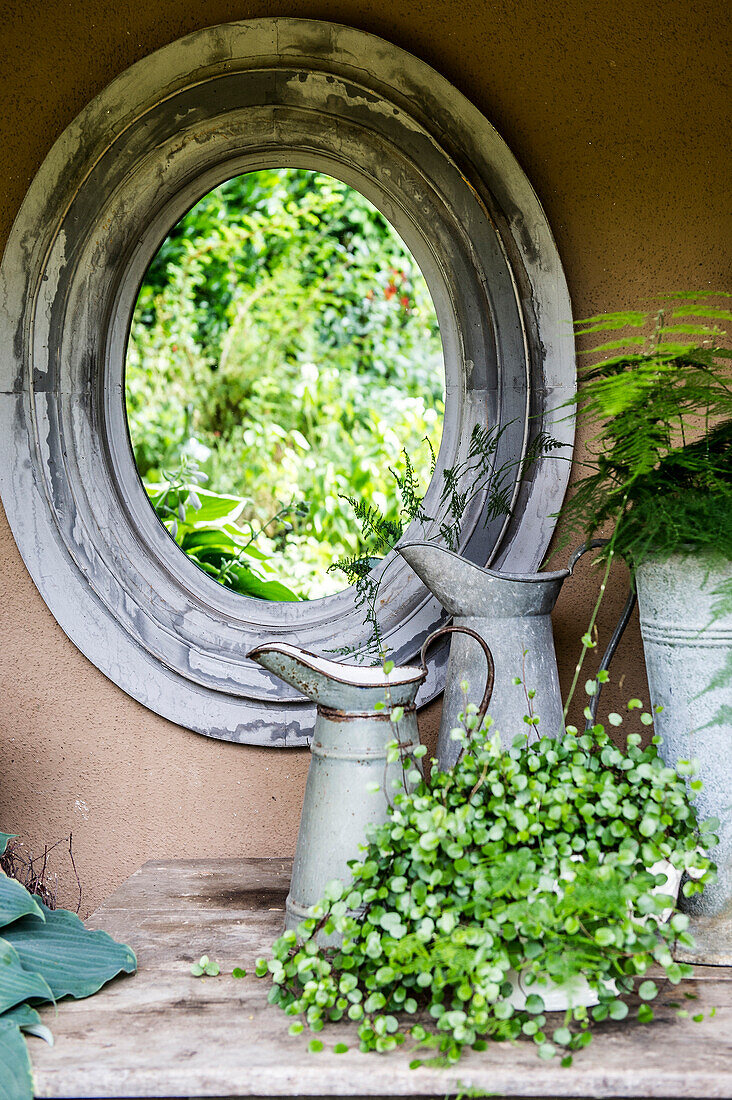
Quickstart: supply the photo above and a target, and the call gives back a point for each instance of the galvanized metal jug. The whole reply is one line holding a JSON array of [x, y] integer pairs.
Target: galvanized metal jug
[[348, 755], [514, 611]]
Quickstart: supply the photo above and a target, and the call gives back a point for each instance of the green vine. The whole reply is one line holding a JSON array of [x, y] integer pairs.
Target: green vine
[[522, 868]]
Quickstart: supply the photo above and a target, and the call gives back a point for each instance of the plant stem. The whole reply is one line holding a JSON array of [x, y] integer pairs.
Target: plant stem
[[587, 642]]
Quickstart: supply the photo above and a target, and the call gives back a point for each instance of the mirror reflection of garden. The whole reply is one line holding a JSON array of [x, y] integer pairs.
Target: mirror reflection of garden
[[284, 351]]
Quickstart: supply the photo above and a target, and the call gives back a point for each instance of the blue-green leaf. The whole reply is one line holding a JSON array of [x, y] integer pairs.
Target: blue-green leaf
[[16, 1080], [28, 1020], [4, 838], [15, 901], [16, 983], [73, 960]]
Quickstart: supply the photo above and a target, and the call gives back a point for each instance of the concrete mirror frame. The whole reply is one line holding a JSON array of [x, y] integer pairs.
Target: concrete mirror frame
[[222, 101]]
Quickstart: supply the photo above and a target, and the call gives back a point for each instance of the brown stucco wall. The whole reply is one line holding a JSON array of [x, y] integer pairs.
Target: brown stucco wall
[[617, 115]]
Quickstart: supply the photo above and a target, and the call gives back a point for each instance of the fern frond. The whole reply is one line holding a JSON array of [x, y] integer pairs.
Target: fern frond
[[385, 532], [410, 492], [611, 345], [355, 568], [662, 455], [691, 330], [710, 314], [433, 456], [450, 534], [694, 294], [610, 322]]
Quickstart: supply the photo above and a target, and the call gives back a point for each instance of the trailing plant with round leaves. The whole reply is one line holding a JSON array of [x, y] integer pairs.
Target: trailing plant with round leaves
[[45, 954], [533, 860]]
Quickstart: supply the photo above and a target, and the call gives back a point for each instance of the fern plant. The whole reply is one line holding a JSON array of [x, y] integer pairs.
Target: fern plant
[[380, 535], [661, 461], [462, 484]]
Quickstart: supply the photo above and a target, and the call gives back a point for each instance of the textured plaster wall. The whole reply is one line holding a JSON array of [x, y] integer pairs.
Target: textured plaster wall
[[617, 115]]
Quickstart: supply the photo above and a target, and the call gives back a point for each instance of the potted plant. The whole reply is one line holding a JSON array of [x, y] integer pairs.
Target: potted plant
[[659, 394], [522, 872]]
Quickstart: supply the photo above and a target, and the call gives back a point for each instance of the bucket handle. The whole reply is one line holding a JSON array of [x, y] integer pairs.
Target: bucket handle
[[488, 657], [595, 544]]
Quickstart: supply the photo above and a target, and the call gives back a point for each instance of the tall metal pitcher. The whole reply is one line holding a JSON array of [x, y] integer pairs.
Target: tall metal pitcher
[[514, 611], [348, 755]]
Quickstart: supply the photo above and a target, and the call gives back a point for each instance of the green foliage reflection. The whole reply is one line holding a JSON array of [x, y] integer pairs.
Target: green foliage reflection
[[285, 342]]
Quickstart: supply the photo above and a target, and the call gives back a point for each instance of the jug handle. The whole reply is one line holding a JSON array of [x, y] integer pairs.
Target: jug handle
[[594, 544], [488, 657]]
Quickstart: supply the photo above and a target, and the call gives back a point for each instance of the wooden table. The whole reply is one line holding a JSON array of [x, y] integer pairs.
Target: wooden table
[[164, 1033]]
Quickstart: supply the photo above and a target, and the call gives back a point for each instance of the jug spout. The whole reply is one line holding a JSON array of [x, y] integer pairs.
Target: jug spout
[[337, 686], [467, 590]]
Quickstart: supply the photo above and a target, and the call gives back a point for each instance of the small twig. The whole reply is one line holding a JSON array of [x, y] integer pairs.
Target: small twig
[[587, 635], [37, 879], [78, 880], [523, 681], [480, 782]]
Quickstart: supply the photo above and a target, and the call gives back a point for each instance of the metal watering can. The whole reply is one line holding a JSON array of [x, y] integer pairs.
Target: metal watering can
[[514, 610], [348, 754]]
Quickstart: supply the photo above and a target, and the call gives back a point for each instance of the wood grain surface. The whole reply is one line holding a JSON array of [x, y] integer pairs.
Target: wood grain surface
[[164, 1033]]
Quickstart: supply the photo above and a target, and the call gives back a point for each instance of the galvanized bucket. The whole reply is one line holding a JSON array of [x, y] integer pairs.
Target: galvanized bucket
[[688, 648], [349, 755]]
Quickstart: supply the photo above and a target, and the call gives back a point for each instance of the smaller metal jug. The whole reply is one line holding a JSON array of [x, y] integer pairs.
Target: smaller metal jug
[[514, 610], [348, 755]]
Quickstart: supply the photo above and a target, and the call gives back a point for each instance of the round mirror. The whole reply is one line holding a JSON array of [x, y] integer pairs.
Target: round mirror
[[124, 357]]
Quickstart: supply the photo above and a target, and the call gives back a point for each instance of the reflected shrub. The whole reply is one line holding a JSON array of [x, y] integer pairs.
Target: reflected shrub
[[285, 339]]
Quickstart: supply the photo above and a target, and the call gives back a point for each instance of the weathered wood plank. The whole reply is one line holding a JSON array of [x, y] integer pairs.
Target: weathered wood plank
[[201, 884], [235, 1049], [165, 1033]]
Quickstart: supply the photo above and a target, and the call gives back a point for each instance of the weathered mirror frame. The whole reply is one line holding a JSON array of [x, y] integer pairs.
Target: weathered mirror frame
[[225, 100]]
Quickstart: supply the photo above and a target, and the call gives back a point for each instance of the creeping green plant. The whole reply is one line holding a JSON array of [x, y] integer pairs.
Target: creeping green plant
[[540, 862], [205, 966]]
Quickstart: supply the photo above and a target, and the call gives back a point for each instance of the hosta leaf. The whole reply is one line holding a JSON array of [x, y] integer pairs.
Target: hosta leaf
[[21, 1016], [215, 506], [73, 960], [18, 984], [249, 584], [28, 1020], [4, 838], [211, 540], [16, 1080], [15, 901]]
